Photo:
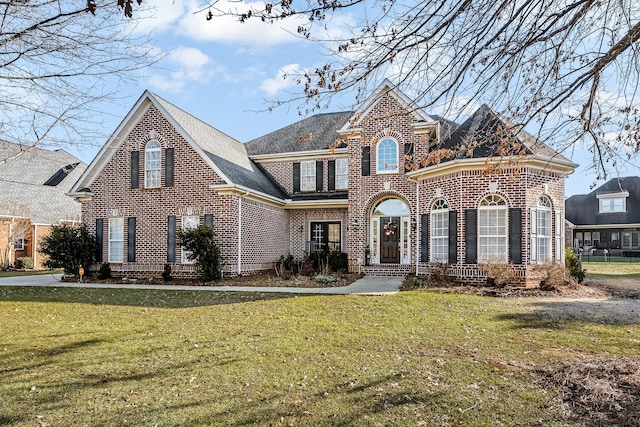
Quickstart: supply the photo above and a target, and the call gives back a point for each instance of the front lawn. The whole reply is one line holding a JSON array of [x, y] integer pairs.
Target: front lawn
[[114, 357]]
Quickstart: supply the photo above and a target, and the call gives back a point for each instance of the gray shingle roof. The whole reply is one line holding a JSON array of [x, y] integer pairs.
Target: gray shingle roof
[[23, 177], [312, 133], [488, 134]]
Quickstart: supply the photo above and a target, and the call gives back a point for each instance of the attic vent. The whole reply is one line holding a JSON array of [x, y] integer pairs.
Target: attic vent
[[61, 174]]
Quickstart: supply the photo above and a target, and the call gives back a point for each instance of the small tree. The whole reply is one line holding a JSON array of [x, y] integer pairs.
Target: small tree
[[69, 248], [574, 265], [203, 250]]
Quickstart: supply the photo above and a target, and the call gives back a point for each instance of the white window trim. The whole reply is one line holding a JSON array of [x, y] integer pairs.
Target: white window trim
[[308, 175], [504, 237], [187, 223], [18, 244], [113, 238], [542, 238], [432, 236], [379, 163], [342, 174], [148, 183]]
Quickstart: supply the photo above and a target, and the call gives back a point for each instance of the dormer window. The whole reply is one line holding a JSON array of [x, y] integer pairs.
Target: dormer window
[[152, 162], [387, 156], [613, 202]]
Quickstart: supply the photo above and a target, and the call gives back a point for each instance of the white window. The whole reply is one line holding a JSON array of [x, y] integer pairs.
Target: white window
[[613, 202], [188, 223], [543, 229], [308, 175], [342, 174], [116, 239], [387, 156], [492, 229], [18, 244], [440, 231], [152, 160]]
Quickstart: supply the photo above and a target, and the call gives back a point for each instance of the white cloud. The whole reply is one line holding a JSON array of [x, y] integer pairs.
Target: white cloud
[[186, 65], [286, 78]]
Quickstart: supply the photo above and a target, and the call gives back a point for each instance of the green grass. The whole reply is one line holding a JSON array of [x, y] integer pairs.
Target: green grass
[[629, 270], [113, 357]]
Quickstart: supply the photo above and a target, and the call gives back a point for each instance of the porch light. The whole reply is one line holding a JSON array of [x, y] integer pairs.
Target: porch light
[[413, 223]]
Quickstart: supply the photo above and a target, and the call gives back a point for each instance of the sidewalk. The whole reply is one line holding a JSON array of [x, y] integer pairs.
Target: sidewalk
[[368, 285]]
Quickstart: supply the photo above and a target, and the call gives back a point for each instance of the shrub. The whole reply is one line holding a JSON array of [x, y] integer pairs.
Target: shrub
[[499, 272], [69, 248], [329, 261], [574, 265], [104, 271], [552, 275], [203, 251], [337, 261], [166, 273], [414, 282], [325, 279], [26, 261], [286, 266]]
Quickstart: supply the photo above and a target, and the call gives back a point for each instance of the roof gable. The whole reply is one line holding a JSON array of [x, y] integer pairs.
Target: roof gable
[[386, 88]]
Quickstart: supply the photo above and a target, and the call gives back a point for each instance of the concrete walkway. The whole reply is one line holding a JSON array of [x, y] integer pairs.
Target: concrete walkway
[[368, 285]]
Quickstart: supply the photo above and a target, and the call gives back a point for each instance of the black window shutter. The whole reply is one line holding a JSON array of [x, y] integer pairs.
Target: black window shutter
[[471, 236], [453, 237], [131, 239], [424, 238], [515, 235], [408, 156], [296, 177], [319, 175], [366, 161], [331, 172], [135, 169], [168, 167], [99, 238], [208, 220], [171, 238]]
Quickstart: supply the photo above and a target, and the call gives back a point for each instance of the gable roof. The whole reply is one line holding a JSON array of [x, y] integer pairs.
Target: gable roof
[[583, 209], [34, 183], [317, 132], [488, 134], [225, 155]]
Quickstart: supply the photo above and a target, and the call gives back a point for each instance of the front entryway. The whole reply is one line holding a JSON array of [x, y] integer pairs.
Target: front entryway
[[390, 232], [390, 240]]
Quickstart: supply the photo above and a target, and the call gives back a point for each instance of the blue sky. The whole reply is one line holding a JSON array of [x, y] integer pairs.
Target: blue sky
[[223, 72]]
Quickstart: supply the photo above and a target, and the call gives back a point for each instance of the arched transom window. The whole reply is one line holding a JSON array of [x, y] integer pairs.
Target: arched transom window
[[387, 156], [440, 231], [152, 160], [492, 229]]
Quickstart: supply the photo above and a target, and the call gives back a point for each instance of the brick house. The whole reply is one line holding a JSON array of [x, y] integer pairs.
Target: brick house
[[354, 181], [32, 198]]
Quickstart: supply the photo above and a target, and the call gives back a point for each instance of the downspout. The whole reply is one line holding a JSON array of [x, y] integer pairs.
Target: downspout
[[35, 248], [240, 232], [418, 225]]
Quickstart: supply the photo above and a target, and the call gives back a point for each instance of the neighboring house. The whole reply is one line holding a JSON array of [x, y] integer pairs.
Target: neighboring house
[[34, 183], [608, 217], [350, 181]]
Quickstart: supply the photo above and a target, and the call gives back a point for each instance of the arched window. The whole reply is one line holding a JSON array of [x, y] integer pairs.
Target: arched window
[[492, 229], [387, 156], [543, 229], [152, 160], [440, 231]]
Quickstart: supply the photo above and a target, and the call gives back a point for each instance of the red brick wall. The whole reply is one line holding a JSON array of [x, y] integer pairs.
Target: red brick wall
[[282, 171]]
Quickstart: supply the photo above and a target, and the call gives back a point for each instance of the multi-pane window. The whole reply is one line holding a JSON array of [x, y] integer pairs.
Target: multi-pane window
[[492, 229], [440, 231], [18, 244], [342, 174], [543, 229], [613, 204], [308, 175], [116, 239], [387, 156], [152, 161], [325, 236], [188, 223]]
